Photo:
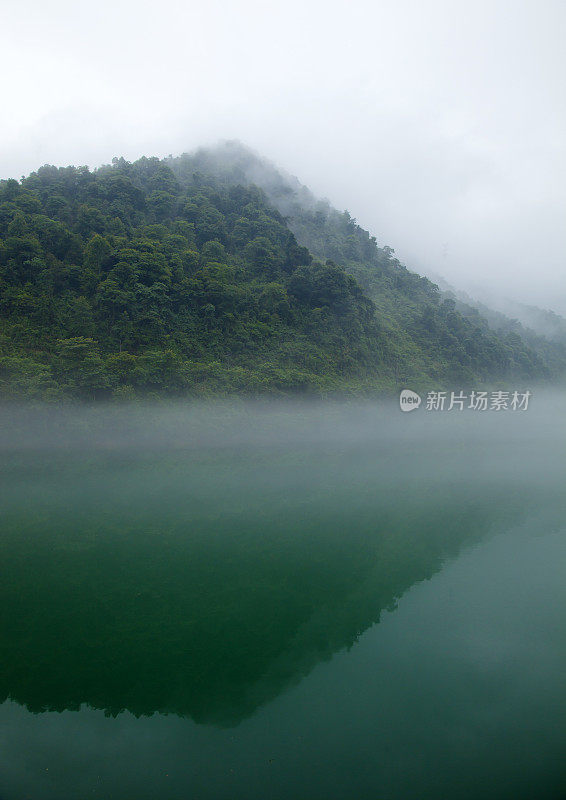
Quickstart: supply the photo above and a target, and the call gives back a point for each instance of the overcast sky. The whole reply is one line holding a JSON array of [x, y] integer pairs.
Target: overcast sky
[[439, 124]]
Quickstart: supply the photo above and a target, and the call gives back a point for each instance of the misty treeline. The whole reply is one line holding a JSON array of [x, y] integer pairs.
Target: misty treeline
[[182, 277]]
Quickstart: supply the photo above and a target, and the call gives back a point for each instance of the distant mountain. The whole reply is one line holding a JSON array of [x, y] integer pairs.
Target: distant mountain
[[546, 334], [214, 273], [545, 322], [542, 322]]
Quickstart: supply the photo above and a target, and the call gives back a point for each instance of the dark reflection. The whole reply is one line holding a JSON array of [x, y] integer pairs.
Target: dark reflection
[[203, 582]]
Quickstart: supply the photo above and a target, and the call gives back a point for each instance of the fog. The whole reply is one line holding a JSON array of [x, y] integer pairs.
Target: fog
[[439, 126], [282, 600]]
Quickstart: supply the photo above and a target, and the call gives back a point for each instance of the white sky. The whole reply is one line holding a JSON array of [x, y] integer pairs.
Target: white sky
[[439, 124]]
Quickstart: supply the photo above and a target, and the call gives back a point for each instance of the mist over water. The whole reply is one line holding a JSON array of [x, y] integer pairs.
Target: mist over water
[[282, 600]]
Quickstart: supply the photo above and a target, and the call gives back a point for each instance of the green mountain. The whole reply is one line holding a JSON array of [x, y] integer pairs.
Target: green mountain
[[550, 345], [543, 331], [213, 273]]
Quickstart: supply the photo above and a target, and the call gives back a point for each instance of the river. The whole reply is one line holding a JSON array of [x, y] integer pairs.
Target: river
[[259, 600]]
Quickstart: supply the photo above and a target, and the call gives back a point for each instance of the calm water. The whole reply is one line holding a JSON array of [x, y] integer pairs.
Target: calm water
[[309, 602]]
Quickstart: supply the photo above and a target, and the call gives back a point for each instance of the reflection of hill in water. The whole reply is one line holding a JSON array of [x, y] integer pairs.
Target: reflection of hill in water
[[203, 585]]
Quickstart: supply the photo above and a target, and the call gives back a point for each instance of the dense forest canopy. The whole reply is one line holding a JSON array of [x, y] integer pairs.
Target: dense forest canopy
[[184, 277]]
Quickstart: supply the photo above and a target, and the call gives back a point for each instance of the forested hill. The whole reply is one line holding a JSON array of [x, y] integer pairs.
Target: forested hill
[[182, 277], [410, 307]]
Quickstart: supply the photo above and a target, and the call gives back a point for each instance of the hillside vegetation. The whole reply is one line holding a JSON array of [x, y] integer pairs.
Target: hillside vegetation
[[184, 277]]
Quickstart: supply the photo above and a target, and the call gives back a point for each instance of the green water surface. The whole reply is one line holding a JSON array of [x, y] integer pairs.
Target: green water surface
[[321, 602]]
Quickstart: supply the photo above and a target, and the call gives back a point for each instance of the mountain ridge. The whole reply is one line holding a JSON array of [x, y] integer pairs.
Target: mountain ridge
[[183, 277]]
